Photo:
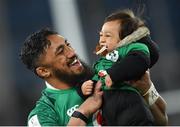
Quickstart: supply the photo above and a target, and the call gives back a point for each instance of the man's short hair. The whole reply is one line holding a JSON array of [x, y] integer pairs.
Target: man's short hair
[[34, 46]]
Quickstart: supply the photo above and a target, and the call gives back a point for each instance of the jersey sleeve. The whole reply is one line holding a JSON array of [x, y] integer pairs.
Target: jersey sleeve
[[133, 64]]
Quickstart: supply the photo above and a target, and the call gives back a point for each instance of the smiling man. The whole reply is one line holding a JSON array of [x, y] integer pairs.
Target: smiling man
[[51, 57]]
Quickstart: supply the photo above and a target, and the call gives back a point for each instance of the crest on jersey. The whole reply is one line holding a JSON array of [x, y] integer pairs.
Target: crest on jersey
[[113, 56]]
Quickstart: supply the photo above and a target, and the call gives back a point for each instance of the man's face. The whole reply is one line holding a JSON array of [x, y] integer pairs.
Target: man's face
[[61, 56], [109, 35]]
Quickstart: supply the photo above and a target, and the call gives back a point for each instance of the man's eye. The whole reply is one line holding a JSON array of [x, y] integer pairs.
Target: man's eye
[[60, 51]]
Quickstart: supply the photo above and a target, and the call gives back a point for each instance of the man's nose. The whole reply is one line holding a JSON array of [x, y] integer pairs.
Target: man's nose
[[70, 52]]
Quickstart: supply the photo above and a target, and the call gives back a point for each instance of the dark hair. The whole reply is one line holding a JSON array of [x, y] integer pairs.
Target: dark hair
[[128, 21], [34, 46]]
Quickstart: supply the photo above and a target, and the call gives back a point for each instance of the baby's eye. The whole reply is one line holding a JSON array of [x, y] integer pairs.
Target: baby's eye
[[108, 35]]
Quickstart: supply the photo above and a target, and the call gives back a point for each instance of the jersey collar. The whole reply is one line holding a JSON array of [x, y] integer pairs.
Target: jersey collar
[[50, 86]]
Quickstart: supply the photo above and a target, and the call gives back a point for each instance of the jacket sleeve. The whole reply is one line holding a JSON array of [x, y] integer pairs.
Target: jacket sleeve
[[131, 67], [153, 49]]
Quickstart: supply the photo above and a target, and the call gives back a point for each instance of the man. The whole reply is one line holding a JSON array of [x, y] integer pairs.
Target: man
[[51, 57]]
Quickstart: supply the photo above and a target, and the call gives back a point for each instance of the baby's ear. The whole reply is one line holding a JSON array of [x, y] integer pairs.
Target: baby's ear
[[98, 47]]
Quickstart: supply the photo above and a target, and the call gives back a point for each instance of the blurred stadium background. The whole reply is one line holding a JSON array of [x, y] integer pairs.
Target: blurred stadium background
[[80, 21]]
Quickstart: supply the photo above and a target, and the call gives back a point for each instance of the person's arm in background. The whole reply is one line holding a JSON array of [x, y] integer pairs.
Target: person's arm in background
[[157, 106], [88, 107]]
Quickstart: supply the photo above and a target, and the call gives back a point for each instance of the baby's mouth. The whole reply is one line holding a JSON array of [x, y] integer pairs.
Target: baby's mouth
[[102, 49]]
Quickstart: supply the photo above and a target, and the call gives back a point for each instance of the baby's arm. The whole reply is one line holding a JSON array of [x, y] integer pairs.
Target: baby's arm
[[153, 49], [131, 67]]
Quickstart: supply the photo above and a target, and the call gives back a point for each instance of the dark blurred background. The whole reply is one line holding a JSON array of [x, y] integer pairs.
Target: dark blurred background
[[80, 21]]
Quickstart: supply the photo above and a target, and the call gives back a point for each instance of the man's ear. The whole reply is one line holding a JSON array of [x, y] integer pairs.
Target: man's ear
[[43, 72]]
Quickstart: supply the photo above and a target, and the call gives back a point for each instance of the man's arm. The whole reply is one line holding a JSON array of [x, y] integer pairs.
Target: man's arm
[[158, 110], [88, 107], [157, 106]]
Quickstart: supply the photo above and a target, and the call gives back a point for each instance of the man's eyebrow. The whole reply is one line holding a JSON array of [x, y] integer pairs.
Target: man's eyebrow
[[58, 48]]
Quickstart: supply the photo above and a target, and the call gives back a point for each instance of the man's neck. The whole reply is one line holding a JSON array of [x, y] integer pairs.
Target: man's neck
[[58, 85]]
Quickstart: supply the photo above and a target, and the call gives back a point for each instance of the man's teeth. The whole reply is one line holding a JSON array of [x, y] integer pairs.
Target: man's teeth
[[74, 62]]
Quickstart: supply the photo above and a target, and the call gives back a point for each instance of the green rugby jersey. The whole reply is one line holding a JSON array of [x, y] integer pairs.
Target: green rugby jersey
[[105, 63], [55, 107]]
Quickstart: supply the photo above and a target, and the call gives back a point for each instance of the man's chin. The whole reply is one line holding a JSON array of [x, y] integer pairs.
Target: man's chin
[[78, 73], [71, 79]]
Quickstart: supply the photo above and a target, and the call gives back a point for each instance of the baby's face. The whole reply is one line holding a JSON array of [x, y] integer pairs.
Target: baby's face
[[109, 35]]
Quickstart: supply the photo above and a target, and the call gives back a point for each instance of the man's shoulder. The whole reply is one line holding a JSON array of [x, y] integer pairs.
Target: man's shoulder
[[42, 114], [43, 106], [43, 110]]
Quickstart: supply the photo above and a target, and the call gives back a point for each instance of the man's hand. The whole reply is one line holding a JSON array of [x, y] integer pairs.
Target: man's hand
[[158, 108], [90, 106], [92, 103], [143, 84]]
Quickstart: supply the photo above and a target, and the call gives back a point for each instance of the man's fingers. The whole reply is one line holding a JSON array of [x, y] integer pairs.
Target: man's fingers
[[97, 90], [98, 86]]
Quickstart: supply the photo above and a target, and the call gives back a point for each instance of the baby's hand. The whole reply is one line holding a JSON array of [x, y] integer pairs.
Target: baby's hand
[[87, 87], [108, 81]]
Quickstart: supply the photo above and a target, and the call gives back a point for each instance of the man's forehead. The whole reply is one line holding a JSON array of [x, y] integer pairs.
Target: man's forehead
[[61, 36], [56, 38], [55, 42]]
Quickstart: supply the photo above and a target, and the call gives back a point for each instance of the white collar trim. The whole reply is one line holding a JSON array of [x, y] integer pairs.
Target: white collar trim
[[50, 86]]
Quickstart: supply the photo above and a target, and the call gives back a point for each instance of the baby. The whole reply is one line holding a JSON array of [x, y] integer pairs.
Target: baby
[[126, 52], [140, 38]]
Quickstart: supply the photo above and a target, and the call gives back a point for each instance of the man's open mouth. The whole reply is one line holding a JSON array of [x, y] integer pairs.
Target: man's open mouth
[[75, 62]]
